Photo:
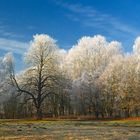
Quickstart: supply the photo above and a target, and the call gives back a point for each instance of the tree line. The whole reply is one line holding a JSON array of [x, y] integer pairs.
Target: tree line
[[94, 78]]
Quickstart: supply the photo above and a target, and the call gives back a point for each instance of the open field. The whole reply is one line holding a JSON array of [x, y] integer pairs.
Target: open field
[[69, 130]]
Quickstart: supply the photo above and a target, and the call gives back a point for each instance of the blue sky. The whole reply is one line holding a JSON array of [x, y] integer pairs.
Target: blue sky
[[66, 21]]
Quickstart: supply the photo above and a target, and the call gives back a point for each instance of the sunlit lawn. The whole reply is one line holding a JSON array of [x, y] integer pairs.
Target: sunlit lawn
[[69, 130]]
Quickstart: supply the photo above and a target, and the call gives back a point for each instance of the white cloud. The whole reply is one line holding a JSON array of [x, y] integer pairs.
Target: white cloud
[[13, 46]]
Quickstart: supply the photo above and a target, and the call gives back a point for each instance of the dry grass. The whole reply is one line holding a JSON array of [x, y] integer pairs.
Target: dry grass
[[128, 129]]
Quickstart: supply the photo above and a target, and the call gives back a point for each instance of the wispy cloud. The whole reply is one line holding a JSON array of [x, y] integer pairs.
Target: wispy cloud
[[9, 40], [13, 46], [4, 32], [90, 17]]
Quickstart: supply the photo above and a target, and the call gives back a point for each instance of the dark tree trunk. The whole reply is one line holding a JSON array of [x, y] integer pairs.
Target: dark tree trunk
[[39, 115], [127, 113], [97, 114]]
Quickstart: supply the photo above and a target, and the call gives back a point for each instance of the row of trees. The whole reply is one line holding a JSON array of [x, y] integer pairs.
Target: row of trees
[[95, 77]]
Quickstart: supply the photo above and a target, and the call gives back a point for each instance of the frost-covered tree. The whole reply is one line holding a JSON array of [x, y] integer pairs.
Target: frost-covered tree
[[119, 86], [39, 79], [136, 46], [86, 62], [95, 77], [5, 93], [6, 67]]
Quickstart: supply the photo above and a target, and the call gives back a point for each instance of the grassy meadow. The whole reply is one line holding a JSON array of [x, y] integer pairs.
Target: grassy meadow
[[128, 129]]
